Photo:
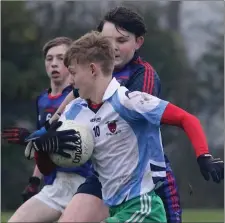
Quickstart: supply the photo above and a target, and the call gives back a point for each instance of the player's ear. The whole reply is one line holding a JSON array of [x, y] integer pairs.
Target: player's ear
[[94, 69], [139, 42]]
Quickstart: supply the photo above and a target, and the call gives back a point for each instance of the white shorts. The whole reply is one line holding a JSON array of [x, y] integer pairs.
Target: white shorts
[[60, 193]]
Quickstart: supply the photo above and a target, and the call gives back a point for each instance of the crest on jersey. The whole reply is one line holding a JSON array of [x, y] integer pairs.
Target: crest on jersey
[[112, 126]]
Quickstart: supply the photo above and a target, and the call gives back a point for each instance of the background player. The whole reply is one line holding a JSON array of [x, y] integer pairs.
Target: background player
[[46, 103], [48, 204]]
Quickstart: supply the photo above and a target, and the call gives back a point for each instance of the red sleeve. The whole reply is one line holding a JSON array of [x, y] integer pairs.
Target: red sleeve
[[190, 124]]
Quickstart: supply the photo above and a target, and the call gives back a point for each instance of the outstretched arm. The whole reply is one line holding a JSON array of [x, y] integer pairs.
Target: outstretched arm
[[141, 106], [173, 115], [176, 116]]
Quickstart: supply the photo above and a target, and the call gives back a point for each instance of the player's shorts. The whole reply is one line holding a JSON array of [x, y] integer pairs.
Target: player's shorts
[[168, 192], [61, 192], [91, 186], [145, 208]]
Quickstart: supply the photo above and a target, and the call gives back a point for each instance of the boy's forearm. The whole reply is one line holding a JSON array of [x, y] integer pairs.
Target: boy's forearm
[[61, 108], [174, 115]]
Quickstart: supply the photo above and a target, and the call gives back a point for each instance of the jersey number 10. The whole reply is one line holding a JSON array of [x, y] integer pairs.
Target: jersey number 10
[[96, 130]]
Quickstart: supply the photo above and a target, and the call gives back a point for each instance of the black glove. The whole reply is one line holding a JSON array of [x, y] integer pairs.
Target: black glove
[[31, 189], [47, 124], [210, 166], [15, 135], [56, 141]]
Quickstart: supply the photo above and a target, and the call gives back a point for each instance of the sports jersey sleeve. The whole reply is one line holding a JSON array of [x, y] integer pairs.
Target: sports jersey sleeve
[[71, 110], [139, 106], [145, 79], [176, 116]]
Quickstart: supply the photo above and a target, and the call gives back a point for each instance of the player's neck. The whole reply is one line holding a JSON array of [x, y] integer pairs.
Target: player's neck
[[99, 90], [58, 88]]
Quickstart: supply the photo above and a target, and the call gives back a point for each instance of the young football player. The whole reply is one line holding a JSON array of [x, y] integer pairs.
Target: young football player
[[126, 29], [46, 103], [48, 204], [126, 126]]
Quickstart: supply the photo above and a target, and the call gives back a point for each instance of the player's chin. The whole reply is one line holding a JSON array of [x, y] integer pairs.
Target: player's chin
[[57, 80], [118, 64]]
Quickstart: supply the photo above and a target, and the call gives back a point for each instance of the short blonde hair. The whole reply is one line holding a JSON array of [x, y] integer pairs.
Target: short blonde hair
[[93, 47]]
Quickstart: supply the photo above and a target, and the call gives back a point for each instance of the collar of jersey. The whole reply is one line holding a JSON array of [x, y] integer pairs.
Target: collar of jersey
[[67, 88], [111, 89]]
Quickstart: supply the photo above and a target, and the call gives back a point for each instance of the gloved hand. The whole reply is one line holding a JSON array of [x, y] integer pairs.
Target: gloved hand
[[42, 130], [210, 166], [15, 135], [56, 141], [31, 189]]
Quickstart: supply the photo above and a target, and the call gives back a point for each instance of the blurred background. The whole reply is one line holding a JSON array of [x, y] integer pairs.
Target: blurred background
[[185, 44]]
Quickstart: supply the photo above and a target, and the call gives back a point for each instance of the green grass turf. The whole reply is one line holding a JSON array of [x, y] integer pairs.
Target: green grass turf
[[189, 215], [204, 215]]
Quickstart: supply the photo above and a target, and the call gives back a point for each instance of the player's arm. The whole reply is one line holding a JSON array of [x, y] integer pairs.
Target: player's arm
[[176, 116], [72, 95], [37, 172], [34, 181], [142, 106], [145, 79]]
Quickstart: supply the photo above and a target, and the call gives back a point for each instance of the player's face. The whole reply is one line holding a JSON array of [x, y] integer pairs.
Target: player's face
[[54, 65], [125, 43], [82, 78]]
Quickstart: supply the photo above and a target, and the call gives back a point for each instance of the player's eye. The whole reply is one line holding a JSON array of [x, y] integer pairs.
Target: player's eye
[[121, 40], [72, 72], [48, 59], [60, 58]]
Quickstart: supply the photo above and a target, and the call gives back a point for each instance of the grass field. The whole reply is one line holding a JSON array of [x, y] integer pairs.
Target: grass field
[[194, 215]]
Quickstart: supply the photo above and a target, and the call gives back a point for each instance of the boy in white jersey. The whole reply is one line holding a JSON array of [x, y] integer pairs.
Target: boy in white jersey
[[126, 127]]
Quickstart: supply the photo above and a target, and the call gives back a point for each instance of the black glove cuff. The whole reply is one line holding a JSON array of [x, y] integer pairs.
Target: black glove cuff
[[204, 155], [34, 180], [47, 125]]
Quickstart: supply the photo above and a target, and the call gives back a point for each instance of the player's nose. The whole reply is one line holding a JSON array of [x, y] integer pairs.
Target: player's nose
[[54, 63]]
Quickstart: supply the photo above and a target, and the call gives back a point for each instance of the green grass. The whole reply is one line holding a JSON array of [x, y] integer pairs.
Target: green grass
[[189, 215], [205, 215], [5, 216]]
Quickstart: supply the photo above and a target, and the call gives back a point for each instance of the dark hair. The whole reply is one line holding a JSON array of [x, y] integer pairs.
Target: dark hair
[[125, 18], [56, 42]]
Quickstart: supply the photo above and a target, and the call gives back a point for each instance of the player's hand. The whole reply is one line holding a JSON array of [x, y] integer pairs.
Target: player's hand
[[210, 166], [15, 135], [31, 189], [57, 141], [48, 124]]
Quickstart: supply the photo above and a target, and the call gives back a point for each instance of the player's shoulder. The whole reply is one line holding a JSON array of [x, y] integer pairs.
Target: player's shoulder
[[125, 96], [134, 99], [143, 67], [67, 90], [42, 94], [77, 102], [139, 62]]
